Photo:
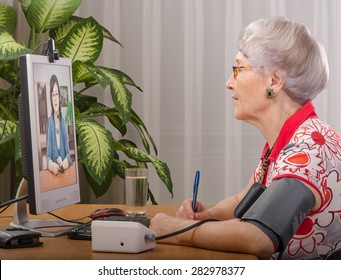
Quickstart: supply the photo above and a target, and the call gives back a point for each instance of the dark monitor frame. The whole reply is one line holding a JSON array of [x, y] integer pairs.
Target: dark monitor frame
[[34, 110]]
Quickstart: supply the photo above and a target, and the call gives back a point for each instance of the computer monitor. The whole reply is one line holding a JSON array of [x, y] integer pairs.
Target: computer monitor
[[48, 142]]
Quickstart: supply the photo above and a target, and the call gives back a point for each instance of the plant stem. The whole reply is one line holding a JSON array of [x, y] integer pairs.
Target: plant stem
[[31, 39]]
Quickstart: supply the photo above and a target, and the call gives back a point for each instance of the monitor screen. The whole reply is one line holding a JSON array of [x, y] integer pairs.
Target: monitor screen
[[47, 134]]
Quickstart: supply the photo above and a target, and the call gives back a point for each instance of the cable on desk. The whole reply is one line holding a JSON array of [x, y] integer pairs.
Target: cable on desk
[[185, 229], [70, 221], [9, 202]]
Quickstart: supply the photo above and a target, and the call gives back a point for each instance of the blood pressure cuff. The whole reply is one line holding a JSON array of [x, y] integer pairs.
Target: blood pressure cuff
[[252, 195], [280, 210]]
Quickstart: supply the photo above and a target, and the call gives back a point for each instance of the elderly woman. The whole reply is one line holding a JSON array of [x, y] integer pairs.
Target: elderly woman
[[291, 207]]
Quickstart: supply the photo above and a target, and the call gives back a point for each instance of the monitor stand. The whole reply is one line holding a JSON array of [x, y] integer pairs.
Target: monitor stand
[[21, 221]]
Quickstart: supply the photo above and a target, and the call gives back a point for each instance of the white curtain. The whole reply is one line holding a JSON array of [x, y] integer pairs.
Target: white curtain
[[181, 52]]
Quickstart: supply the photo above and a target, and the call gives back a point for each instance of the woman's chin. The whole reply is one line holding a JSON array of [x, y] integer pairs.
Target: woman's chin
[[238, 115]]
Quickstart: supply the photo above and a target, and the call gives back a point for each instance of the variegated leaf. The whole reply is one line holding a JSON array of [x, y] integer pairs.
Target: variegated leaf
[[161, 168], [120, 95], [8, 18], [107, 34], [120, 167], [126, 79], [47, 14], [10, 130], [137, 154], [83, 102], [96, 149], [99, 189], [8, 71], [24, 5], [97, 75], [77, 115], [112, 114], [164, 173], [151, 197], [80, 74], [131, 150], [142, 137], [60, 32], [84, 42], [137, 122], [9, 48], [5, 155]]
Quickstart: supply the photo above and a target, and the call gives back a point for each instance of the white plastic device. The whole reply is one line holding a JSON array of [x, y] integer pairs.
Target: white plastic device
[[121, 236]]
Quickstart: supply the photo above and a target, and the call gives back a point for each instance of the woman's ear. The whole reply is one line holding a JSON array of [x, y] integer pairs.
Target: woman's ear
[[277, 80]]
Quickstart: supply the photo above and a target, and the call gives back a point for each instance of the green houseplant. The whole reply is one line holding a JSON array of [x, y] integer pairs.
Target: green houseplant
[[80, 39]]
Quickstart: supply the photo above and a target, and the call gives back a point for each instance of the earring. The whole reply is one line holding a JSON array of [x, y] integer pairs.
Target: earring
[[270, 93]]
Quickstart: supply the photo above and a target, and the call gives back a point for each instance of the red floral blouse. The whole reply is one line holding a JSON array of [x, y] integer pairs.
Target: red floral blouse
[[309, 150]]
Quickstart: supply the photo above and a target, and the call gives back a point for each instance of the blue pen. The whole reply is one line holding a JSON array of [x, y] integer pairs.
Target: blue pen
[[195, 190]]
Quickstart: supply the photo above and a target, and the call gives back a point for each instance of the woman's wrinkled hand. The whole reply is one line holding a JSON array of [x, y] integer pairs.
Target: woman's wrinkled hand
[[185, 211], [163, 224]]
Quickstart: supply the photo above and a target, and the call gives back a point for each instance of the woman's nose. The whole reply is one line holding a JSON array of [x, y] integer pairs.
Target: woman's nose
[[230, 83]]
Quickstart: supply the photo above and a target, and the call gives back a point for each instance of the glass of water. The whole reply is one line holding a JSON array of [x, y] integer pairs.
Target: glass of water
[[136, 191]]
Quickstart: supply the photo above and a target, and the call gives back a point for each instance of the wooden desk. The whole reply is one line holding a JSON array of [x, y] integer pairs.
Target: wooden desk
[[62, 248], [49, 181]]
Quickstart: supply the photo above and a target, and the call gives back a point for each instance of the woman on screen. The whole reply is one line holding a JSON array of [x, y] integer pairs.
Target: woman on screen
[[290, 208], [58, 151]]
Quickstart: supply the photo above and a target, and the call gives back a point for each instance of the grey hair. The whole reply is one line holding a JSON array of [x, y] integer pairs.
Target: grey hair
[[281, 43]]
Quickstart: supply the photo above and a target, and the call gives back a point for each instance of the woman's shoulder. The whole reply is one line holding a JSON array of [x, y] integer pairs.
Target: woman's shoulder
[[50, 121], [313, 149], [62, 121], [315, 130]]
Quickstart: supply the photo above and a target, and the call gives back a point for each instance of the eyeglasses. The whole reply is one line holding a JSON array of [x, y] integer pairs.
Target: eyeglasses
[[236, 70]]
